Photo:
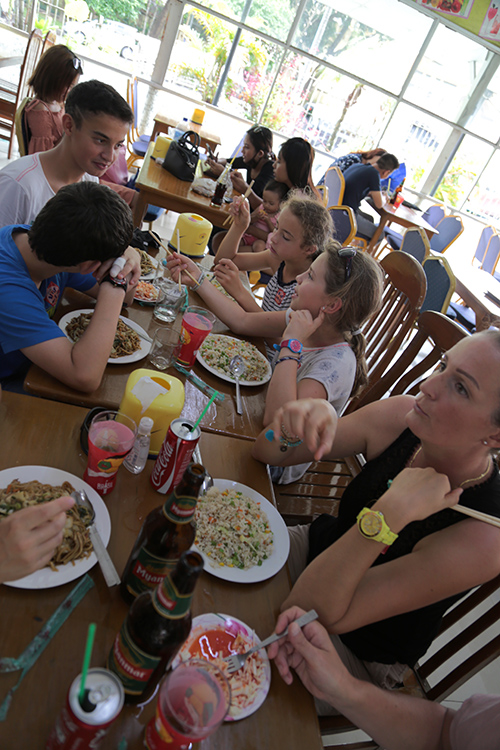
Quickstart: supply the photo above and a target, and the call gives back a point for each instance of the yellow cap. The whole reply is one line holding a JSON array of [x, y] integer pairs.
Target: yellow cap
[[198, 116]]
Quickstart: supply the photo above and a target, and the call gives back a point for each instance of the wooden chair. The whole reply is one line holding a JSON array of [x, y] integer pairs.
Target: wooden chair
[[334, 181], [344, 222], [11, 96]]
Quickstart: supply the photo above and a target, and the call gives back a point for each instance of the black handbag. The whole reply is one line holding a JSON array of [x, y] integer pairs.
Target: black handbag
[[182, 157]]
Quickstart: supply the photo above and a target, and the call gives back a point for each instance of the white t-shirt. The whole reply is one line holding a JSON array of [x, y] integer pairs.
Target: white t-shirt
[[24, 190], [476, 726]]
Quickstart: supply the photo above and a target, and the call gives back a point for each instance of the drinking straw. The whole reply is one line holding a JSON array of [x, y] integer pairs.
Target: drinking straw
[[230, 218], [169, 252], [178, 250], [207, 407], [86, 660]]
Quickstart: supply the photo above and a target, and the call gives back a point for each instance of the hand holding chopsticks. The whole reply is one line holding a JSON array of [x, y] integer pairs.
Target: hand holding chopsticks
[[169, 252], [230, 218]]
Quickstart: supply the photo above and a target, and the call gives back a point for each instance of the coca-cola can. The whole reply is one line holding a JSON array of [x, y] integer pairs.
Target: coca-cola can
[[175, 454], [80, 729]]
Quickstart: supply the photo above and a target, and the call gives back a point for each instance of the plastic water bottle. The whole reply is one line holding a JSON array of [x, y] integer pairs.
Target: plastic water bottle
[[181, 128], [136, 459]]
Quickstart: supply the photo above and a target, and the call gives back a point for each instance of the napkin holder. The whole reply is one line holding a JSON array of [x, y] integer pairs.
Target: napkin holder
[[154, 394], [194, 232]]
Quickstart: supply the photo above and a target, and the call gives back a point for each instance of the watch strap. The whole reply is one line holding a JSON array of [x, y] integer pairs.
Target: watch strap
[[115, 281], [384, 535]]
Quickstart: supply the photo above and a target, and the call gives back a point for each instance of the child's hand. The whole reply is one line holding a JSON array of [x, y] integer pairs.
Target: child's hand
[[227, 274], [302, 325], [240, 211], [179, 265]]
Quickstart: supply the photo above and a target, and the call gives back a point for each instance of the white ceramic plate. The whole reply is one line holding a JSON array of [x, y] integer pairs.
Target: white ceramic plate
[[46, 578], [210, 622], [281, 541], [151, 274], [230, 340], [135, 357], [145, 300]]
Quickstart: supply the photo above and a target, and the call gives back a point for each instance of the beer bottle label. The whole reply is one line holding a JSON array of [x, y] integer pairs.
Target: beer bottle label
[[180, 509], [168, 602], [133, 666], [149, 571]]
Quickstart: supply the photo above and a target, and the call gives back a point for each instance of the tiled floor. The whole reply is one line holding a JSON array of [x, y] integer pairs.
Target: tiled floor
[[488, 681]]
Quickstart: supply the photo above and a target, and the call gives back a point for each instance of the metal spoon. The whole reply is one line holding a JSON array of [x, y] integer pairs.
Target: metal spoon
[[237, 367], [108, 569]]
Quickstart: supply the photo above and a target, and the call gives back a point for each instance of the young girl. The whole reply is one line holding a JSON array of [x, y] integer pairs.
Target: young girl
[[263, 220], [321, 350]]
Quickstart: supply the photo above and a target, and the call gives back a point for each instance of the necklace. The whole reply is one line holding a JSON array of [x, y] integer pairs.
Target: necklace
[[466, 481]]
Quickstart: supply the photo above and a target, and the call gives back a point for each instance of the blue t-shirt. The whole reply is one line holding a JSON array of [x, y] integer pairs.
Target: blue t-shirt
[[360, 179], [25, 310]]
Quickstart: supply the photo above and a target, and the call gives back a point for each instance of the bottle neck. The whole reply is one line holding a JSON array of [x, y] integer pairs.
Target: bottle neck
[[180, 505], [172, 597]]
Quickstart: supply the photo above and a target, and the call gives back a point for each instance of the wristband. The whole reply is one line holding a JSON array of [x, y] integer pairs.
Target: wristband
[[200, 281], [283, 359], [294, 345], [115, 281]]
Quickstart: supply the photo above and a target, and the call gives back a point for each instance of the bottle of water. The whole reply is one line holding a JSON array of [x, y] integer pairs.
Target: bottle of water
[[181, 128], [136, 459]]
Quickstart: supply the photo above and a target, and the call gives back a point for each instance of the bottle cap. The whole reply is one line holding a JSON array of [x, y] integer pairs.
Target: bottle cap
[[198, 116], [146, 425]]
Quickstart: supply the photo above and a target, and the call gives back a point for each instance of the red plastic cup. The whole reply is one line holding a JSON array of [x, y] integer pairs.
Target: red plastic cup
[[398, 200], [196, 325], [111, 437]]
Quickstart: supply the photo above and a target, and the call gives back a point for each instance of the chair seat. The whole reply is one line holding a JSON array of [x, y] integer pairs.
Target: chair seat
[[393, 238], [153, 213], [140, 148], [464, 315]]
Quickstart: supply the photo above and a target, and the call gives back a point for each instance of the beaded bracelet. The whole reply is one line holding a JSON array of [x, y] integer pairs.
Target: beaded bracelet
[[295, 359], [201, 279]]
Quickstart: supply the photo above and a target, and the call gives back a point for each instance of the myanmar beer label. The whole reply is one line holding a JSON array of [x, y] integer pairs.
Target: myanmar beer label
[[180, 509], [148, 572], [168, 602], [133, 666]]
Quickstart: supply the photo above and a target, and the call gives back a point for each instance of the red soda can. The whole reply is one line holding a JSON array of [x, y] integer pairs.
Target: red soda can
[[175, 454], [79, 729]]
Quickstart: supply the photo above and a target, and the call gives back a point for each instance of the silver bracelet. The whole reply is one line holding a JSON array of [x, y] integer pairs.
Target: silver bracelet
[[201, 279]]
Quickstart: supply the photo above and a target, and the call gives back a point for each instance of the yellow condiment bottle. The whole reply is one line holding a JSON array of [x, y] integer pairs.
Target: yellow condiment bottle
[[154, 394]]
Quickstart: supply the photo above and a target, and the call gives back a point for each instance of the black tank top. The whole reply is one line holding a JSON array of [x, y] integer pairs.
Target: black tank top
[[406, 637]]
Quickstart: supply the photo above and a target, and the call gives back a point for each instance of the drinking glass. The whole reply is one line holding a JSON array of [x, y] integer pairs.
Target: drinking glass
[[193, 702], [169, 301], [111, 437], [196, 325], [165, 347]]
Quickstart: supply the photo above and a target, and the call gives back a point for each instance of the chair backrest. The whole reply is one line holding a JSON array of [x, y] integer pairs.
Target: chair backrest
[[485, 237], [435, 334], [491, 255], [49, 41], [416, 244], [323, 191], [31, 58], [334, 180], [386, 330], [440, 284], [449, 229], [21, 129], [472, 620], [434, 214], [344, 222]]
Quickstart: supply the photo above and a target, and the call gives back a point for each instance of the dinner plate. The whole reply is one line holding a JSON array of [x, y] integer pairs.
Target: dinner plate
[[135, 357], [46, 578], [151, 274], [281, 541], [144, 301], [222, 375], [198, 644]]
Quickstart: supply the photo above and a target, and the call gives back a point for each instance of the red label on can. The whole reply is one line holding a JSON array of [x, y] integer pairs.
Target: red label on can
[[173, 459], [70, 733]]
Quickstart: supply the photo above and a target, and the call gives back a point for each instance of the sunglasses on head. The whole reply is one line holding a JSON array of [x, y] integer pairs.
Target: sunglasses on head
[[77, 64], [347, 254]]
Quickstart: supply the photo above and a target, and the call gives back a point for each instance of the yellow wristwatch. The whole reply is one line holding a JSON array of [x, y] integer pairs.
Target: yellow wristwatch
[[372, 525]]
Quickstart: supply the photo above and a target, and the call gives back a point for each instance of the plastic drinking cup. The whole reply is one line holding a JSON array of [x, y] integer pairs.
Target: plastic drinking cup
[[169, 301], [111, 437], [165, 347], [196, 325]]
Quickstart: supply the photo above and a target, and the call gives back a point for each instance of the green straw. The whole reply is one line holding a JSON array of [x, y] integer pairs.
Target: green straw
[[86, 660], [207, 407]]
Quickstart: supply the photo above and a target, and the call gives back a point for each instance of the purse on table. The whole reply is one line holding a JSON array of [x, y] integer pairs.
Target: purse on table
[[182, 156]]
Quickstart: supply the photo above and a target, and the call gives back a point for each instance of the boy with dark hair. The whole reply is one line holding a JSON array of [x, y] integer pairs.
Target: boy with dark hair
[[362, 180], [95, 125], [72, 243]]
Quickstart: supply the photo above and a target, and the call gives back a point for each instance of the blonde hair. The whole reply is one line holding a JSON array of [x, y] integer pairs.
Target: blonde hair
[[316, 222], [361, 296]]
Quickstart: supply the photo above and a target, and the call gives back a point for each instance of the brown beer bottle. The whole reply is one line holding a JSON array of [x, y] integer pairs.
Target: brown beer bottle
[[166, 532], [154, 630]]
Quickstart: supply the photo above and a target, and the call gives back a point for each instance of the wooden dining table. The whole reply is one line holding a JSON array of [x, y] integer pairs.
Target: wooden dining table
[[402, 215], [478, 289], [160, 188], [43, 433], [221, 416], [164, 122]]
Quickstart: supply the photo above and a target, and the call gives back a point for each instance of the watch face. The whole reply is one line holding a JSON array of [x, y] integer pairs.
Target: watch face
[[371, 524], [295, 345]]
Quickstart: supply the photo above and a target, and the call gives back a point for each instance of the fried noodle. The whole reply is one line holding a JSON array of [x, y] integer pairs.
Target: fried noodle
[[126, 339]]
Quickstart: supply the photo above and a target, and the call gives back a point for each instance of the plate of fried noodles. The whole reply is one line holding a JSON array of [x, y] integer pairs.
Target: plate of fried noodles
[[23, 486], [128, 346]]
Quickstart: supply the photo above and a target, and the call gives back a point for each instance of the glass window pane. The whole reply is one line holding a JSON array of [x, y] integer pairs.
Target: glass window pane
[[469, 161], [485, 119], [377, 41], [416, 139], [447, 73], [331, 110], [273, 18], [484, 201]]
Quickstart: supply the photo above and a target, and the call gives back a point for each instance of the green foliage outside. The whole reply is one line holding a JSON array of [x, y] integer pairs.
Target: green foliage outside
[[126, 11], [456, 183]]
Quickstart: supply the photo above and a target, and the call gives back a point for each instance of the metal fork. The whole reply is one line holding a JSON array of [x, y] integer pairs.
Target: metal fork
[[237, 661]]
